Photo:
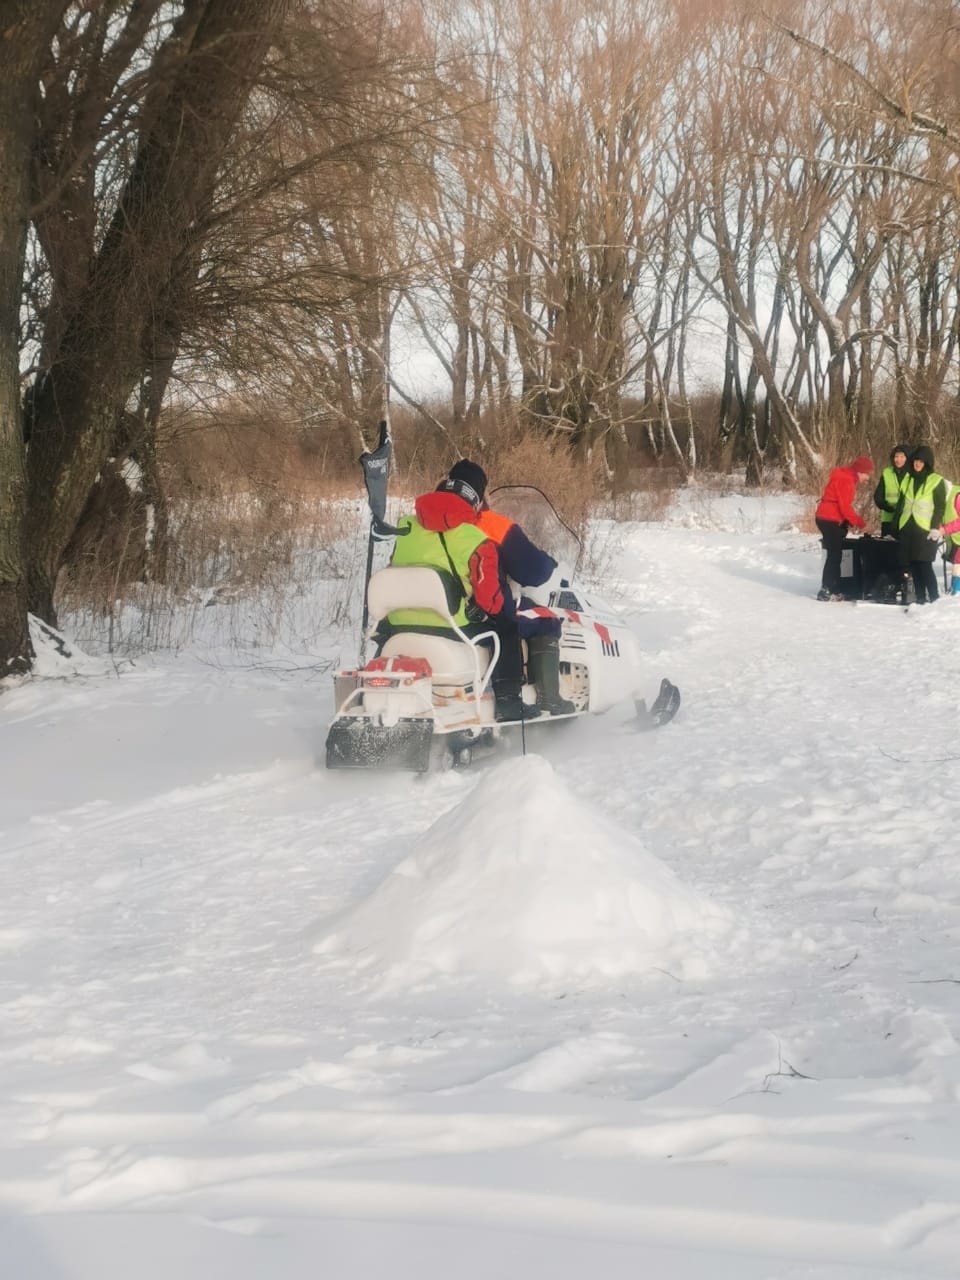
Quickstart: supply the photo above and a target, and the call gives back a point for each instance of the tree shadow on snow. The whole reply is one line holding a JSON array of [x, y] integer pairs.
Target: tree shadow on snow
[[793, 582]]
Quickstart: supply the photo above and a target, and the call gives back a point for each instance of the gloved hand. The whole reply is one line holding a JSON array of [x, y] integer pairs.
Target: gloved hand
[[474, 613], [935, 535]]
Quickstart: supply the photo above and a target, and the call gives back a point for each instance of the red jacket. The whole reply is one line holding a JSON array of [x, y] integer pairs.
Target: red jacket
[[836, 504]]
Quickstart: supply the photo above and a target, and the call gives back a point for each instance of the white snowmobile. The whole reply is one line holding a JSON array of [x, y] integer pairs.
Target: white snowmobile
[[427, 698]]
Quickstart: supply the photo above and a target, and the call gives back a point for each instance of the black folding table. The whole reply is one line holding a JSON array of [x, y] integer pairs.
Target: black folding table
[[870, 568]]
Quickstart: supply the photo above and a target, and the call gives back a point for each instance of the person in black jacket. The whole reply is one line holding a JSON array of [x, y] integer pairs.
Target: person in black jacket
[[919, 520]]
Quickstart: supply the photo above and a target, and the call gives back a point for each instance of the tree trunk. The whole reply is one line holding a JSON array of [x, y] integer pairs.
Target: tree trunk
[[154, 497], [15, 652], [101, 354], [26, 28]]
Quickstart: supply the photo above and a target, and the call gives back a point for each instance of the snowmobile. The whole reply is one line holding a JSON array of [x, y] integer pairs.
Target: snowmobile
[[425, 700]]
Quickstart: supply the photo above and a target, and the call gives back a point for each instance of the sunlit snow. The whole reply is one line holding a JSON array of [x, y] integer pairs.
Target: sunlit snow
[[525, 882], [681, 1005]]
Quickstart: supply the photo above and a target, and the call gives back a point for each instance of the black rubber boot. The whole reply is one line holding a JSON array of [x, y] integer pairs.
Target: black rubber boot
[[543, 660], [508, 677], [508, 703]]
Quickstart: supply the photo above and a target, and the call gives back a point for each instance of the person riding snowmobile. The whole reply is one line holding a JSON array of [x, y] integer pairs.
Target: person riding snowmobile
[[445, 535], [521, 560]]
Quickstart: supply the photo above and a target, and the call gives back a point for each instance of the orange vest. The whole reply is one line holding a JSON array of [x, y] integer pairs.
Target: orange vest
[[494, 525]]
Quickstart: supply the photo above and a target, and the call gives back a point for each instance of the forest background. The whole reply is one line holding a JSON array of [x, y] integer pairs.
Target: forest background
[[640, 241]]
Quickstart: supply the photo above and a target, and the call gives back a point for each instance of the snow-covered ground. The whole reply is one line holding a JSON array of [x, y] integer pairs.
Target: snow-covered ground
[[682, 1005]]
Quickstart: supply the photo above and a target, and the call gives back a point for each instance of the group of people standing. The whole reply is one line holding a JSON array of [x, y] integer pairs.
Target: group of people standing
[[918, 507]]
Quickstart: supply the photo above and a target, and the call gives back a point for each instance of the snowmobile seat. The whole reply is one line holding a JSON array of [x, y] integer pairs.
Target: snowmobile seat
[[451, 661], [455, 659], [409, 587]]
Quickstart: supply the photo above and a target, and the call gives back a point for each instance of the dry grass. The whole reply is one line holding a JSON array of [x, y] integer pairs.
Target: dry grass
[[248, 450], [263, 507], [258, 515], [252, 519], [241, 555], [645, 504], [509, 454], [571, 485]]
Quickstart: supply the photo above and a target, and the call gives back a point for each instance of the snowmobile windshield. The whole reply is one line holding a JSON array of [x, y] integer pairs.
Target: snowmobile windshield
[[534, 513]]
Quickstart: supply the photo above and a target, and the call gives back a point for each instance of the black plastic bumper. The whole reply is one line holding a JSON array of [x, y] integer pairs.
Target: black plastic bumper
[[355, 743]]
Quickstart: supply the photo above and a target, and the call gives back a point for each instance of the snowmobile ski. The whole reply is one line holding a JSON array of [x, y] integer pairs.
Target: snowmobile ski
[[665, 707]]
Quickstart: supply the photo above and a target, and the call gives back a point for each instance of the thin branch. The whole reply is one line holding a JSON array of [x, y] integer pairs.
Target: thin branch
[[916, 121]]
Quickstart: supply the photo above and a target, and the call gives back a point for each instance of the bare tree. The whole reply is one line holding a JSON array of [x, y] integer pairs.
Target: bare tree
[[733, 153], [99, 355], [551, 208], [891, 87]]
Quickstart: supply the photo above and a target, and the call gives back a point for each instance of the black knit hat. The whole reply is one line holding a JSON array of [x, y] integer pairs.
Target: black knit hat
[[923, 453], [468, 480], [472, 472]]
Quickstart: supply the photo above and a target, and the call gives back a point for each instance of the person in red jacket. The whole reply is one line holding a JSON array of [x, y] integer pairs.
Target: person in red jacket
[[835, 515]]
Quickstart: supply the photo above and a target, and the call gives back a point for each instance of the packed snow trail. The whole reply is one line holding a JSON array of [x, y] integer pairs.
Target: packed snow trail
[[191, 1082]]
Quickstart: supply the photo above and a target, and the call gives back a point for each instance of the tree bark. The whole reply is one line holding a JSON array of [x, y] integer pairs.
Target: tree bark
[[26, 28]]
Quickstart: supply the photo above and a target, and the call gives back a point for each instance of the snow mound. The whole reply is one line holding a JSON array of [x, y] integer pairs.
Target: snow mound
[[527, 883], [56, 657]]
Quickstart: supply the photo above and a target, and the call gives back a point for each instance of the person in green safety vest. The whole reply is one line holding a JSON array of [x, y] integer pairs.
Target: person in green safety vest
[[919, 521], [443, 534], [887, 493]]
